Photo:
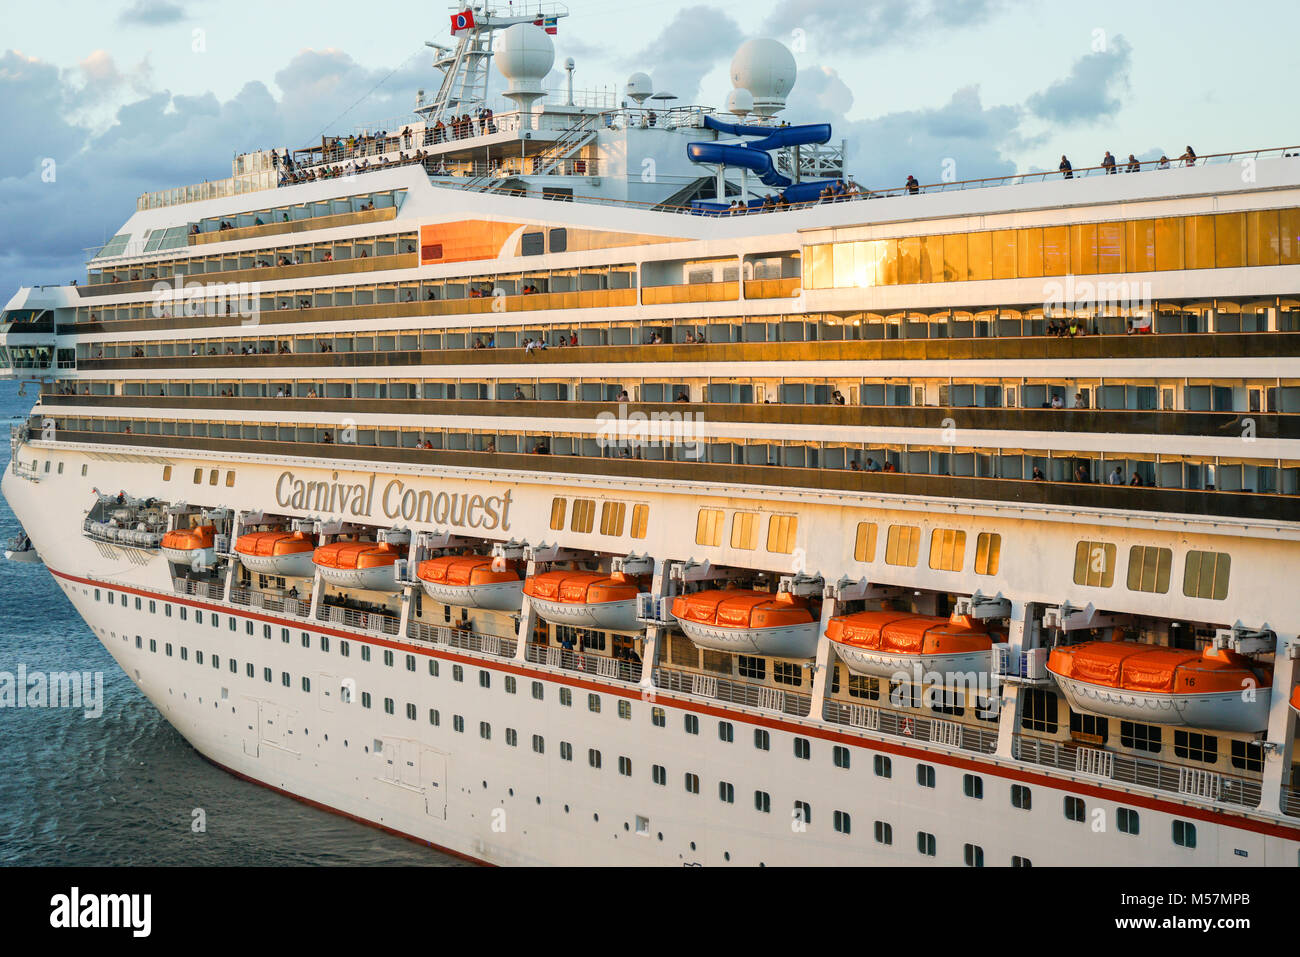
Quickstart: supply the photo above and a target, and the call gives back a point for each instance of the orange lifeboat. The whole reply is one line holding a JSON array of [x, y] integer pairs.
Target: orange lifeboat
[[748, 622], [884, 643], [586, 599], [1295, 699], [476, 581], [191, 546], [364, 565], [1155, 684], [288, 554]]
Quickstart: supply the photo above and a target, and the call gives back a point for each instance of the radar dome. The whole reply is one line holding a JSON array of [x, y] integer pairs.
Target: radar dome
[[639, 87], [740, 102], [767, 70], [524, 55]]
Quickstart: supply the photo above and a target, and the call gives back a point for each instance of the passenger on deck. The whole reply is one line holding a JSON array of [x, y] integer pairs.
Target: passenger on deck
[[1164, 162], [1108, 163], [1066, 169], [913, 187], [1133, 164], [1038, 474], [1136, 481], [1116, 477], [1189, 157]]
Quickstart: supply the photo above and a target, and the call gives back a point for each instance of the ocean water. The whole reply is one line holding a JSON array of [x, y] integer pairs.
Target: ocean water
[[121, 789]]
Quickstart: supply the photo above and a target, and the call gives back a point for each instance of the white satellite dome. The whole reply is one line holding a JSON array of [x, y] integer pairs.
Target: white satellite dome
[[767, 70], [639, 87], [740, 102], [524, 54]]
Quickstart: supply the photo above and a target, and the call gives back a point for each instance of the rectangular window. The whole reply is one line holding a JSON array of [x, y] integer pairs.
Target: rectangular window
[[625, 766], [1195, 746], [781, 530], [883, 766], [864, 544], [902, 544], [708, 526], [787, 673], [925, 843], [1094, 564], [1206, 575], [593, 703], [884, 832], [1075, 810], [973, 854], [972, 785], [1139, 737], [612, 515], [925, 775], [1185, 834], [843, 824], [748, 666], [802, 749], [692, 782], [1088, 728], [762, 739], [640, 520], [744, 530], [840, 756], [1247, 756], [557, 514], [763, 802], [584, 515], [1148, 569], [1127, 819], [726, 792], [988, 550], [947, 549], [1021, 797]]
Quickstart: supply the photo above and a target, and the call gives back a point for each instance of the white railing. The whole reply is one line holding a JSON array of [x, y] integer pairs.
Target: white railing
[[734, 692], [188, 586], [951, 734], [586, 662], [462, 638]]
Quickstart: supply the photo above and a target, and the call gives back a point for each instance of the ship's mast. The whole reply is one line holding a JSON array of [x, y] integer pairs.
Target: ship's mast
[[466, 66]]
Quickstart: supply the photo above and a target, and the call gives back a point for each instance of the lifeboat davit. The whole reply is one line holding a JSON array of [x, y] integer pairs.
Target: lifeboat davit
[[365, 565], [1154, 684], [748, 622], [287, 554], [191, 546], [475, 581], [586, 599], [884, 643]]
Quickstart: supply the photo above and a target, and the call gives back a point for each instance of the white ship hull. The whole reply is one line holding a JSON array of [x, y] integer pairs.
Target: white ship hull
[[449, 786]]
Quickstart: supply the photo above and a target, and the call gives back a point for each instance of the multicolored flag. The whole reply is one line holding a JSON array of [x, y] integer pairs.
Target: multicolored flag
[[462, 21]]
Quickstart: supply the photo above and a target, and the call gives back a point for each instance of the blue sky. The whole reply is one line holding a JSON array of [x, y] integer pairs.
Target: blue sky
[[146, 94]]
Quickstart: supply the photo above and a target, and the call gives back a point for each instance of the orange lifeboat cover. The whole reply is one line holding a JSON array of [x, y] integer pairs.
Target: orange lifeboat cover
[[582, 588], [743, 608], [897, 632], [186, 538], [1155, 669], [273, 544], [1295, 698], [359, 555], [464, 570]]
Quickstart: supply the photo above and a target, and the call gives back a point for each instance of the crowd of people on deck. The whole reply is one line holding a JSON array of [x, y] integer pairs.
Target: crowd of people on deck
[[1131, 165]]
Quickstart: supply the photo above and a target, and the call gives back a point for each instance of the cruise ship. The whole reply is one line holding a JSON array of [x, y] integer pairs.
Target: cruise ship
[[555, 477]]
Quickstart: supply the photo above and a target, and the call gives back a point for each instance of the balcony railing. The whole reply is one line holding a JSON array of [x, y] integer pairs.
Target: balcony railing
[[933, 730], [734, 692], [256, 599], [361, 620], [462, 638], [188, 586], [587, 662], [1141, 772]]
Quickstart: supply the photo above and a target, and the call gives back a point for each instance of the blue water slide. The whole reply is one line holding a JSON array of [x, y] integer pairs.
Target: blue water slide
[[753, 155], [728, 155]]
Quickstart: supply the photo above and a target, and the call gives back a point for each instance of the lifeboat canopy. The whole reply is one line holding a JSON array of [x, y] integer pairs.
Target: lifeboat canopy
[[191, 546], [281, 553], [365, 565]]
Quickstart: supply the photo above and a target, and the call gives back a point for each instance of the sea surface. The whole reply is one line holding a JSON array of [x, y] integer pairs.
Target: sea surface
[[121, 789]]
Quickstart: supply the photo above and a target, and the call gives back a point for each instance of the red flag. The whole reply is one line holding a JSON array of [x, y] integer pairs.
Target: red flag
[[462, 21], [549, 24]]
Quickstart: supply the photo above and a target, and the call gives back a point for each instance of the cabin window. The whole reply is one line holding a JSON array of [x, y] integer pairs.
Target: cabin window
[[1075, 809], [1247, 756], [1148, 569], [1021, 797], [972, 785], [1205, 575], [884, 832], [539, 744], [1094, 564], [762, 739], [864, 545], [435, 718], [883, 766], [787, 673], [640, 520], [611, 518], [781, 531], [1039, 713], [658, 717], [659, 775], [747, 666], [902, 544], [691, 723], [692, 782], [1185, 834], [1017, 861], [803, 812], [973, 854], [1195, 746], [1088, 728], [925, 843], [763, 802], [925, 775], [988, 551], [625, 766], [726, 732], [802, 749], [947, 549], [1127, 819], [840, 756], [557, 514], [584, 515], [566, 751], [167, 473], [1139, 737], [744, 530], [708, 527], [842, 822]]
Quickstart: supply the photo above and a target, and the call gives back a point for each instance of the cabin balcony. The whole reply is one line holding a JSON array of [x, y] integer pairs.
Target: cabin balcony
[[604, 666]]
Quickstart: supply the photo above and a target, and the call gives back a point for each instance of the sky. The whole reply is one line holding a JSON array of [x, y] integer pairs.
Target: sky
[[101, 102]]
